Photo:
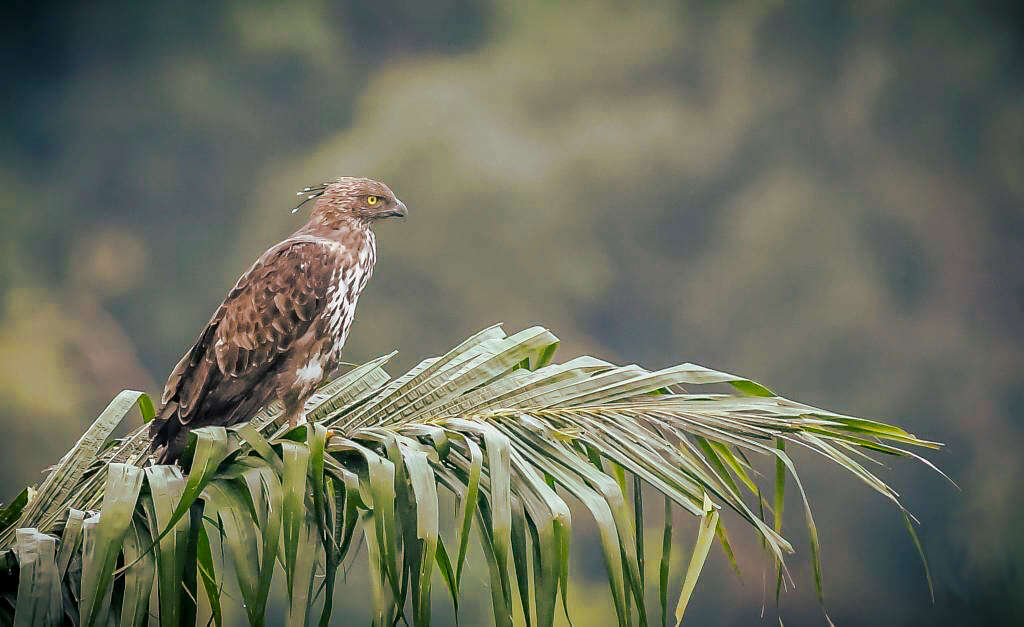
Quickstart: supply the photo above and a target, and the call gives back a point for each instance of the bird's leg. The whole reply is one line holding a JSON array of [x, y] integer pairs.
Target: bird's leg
[[293, 410], [296, 418]]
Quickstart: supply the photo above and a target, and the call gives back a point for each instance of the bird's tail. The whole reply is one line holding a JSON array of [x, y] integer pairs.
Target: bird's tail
[[167, 437]]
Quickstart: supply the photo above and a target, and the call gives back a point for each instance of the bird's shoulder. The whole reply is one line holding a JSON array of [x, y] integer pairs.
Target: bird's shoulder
[[275, 301], [300, 255]]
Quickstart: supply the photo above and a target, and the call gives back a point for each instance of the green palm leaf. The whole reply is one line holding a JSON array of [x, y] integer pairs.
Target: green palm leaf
[[514, 439]]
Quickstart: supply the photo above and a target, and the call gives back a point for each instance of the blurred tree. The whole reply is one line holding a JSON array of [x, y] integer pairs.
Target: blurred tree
[[824, 195]]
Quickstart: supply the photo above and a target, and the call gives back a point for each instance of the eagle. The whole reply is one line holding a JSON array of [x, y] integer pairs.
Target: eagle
[[280, 331]]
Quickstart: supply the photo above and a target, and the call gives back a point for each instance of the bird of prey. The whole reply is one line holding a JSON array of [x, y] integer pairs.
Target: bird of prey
[[280, 331]]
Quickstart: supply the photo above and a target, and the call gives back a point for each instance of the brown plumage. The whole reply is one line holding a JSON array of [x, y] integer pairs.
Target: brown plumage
[[280, 330]]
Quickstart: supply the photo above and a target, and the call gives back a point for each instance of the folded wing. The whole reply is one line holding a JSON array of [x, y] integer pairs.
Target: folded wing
[[270, 306]]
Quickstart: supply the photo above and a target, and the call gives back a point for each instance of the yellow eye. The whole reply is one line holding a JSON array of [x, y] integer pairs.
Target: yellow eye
[[372, 200]]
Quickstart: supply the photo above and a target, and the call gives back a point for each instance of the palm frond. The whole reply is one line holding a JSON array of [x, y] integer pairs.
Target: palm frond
[[109, 538]]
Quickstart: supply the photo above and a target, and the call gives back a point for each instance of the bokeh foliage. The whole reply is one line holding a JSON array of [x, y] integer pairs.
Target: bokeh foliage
[[823, 195]]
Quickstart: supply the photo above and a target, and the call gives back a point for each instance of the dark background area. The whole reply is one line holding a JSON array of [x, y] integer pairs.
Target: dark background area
[[827, 197]]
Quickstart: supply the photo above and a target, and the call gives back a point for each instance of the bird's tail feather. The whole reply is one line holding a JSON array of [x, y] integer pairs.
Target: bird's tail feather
[[167, 439]]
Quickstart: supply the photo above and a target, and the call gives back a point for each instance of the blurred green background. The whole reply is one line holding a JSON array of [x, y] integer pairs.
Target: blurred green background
[[824, 196]]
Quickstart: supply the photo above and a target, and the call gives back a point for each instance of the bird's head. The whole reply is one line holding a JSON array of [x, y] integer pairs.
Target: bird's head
[[348, 199]]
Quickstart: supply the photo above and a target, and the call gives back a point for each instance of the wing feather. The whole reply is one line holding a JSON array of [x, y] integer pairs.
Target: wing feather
[[270, 306]]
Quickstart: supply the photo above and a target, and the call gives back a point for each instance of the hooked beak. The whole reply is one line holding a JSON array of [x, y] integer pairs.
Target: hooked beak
[[398, 211]]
